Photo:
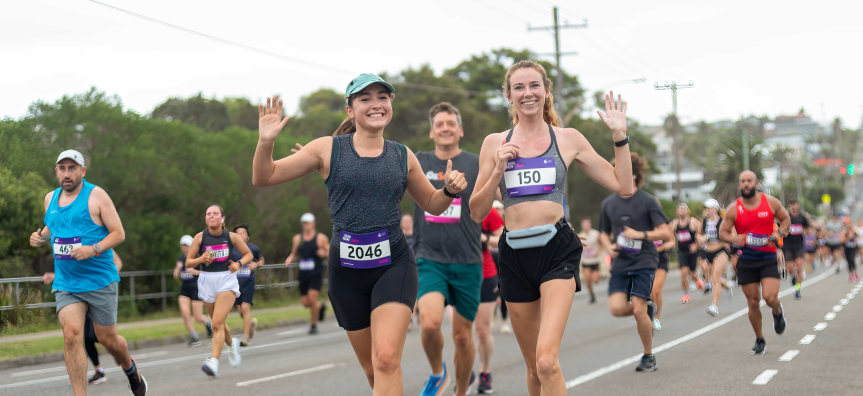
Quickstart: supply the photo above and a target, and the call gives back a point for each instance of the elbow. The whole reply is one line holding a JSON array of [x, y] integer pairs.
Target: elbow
[[121, 236], [475, 217], [258, 182]]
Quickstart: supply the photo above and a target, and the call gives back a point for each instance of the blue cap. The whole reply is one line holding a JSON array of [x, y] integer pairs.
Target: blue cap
[[362, 81]]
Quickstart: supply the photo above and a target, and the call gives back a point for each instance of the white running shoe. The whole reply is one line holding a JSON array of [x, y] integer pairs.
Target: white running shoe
[[656, 325], [691, 286], [505, 329], [211, 367], [234, 354], [729, 292], [713, 310]]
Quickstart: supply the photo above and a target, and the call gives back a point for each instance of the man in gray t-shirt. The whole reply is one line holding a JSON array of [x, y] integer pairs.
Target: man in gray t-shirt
[[449, 254]]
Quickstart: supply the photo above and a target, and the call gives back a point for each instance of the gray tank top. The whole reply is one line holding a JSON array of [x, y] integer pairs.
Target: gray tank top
[[365, 193], [559, 181]]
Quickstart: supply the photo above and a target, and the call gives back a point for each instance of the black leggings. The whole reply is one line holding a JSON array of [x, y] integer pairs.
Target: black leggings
[[850, 254], [90, 341]]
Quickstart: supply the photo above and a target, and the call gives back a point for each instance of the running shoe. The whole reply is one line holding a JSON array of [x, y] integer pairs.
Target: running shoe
[[851, 278], [209, 326], [435, 385], [699, 284], [469, 384], [97, 378], [797, 294], [685, 299], [234, 357], [313, 330], [245, 342], [856, 277], [656, 325], [505, 328], [804, 274], [211, 367], [592, 298], [760, 346], [793, 280], [322, 312], [252, 329], [708, 288], [713, 310], [194, 343], [779, 321], [137, 383], [729, 292], [484, 387], [648, 363]]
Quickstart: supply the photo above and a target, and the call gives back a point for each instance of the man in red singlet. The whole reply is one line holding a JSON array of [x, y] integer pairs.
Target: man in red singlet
[[752, 216]]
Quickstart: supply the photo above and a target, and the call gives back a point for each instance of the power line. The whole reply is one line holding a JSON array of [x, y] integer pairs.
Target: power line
[[277, 55]]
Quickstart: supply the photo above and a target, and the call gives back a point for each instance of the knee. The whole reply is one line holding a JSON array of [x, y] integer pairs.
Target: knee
[[72, 335], [305, 301], [753, 303], [639, 309], [430, 326], [547, 366], [483, 332], [770, 300], [617, 310], [532, 375], [386, 361], [462, 339]]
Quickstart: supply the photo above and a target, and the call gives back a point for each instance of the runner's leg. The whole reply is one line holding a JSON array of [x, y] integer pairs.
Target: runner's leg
[[526, 319], [431, 307], [361, 341], [245, 310], [198, 312], [72, 322], [484, 323], [219, 311], [388, 331], [656, 293], [465, 351], [719, 264], [753, 300], [313, 304], [185, 304]]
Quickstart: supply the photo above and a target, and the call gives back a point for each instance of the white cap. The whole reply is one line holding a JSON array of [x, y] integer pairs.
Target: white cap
[[307, 218], [186, 240], [711, 203], [73, 155], [497, 204]]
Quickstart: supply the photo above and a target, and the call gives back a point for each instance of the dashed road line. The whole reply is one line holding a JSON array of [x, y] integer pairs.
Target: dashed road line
[[765, 377], [820, 326], [291, 374], [787, 356], [807, 339]]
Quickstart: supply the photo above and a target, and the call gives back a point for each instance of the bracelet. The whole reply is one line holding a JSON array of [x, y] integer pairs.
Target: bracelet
[[622, 143], [447, 193], [645, 236]]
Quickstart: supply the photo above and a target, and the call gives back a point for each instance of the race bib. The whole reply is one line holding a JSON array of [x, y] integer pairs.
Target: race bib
[[63, 247], [683, 236], [851, 244], [218, 252], [452, 214], [244, 272], [712, 235], [363, 251], [307, 264], [658, 243], [628, 245], [529, 176], [796, 229], [589, 252], [757, 240], [185, 276]]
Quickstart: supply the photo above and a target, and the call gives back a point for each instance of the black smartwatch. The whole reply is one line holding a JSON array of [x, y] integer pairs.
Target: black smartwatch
[[447, 193], [622, 143], [645, 236]]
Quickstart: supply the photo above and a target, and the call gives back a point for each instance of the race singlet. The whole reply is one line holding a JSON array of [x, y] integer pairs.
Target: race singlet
[[452, 214], [363, 251], [63, 247], [529, 176], [628, 245]]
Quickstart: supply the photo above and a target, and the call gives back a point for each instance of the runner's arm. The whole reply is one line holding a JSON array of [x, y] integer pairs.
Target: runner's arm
[[294, 249], [727, 226], [110, 218], [241, 247], [422, 191], [781, 214], [617, 179], [323, 246], [487, 180], [194, 248], [266, 172], [177, 269]]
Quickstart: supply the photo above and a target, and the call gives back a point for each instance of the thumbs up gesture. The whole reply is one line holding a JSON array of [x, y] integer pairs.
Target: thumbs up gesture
[[454, 180], [36, 239]]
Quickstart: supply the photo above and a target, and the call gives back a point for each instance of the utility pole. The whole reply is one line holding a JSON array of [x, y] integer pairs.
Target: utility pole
[[675, 135], [555, 28], [746, 150]]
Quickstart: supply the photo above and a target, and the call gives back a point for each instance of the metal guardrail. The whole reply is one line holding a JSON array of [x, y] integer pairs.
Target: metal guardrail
[[164, 294]]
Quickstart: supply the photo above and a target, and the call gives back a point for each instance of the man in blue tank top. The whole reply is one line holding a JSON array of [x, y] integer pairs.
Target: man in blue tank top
[[83, 227], [449, 256]]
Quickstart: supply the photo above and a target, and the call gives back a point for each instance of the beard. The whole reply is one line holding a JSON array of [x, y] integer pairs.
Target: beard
[[747, 193], [70, 187]]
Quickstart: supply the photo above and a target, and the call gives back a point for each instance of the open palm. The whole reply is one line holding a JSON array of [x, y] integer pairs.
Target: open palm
[[615, 115], [270, 121]]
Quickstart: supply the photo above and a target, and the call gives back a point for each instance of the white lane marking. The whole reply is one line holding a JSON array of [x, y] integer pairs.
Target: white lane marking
[[291, 332], [830, 316], [843, 301], [291, 374], [788, 356], [807, 339], [178, 359], [765, 377], [63, 368], [849, 296], [668, 345], [837, 308], [820, 326]]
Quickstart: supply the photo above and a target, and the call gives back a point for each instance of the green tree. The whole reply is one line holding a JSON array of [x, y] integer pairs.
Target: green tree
[[207, 114], [729, 165]]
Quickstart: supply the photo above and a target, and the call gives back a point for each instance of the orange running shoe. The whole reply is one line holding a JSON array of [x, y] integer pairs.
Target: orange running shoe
[[685, 299]]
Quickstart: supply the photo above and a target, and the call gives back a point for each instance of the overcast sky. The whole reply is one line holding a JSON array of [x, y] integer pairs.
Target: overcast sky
[[744, 57]]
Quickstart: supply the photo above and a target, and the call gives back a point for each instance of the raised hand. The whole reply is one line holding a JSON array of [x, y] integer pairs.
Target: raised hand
[[454, 180], [615, 116], [270, 121], [297, 150], [36, 239], [507, 151]]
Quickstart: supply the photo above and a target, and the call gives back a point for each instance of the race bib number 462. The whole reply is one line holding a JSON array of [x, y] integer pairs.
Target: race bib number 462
[[63, 247], [362, 251], [529, 176]]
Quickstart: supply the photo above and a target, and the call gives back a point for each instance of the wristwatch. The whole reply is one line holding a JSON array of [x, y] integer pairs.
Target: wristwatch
[[622, 143], [98, 249], [645, 236], [449, 194]]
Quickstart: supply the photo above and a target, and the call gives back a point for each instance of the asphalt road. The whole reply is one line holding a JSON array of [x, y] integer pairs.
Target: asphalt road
[[696, 354]]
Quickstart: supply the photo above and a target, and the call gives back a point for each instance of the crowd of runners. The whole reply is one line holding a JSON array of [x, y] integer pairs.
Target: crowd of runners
[[487, 232]]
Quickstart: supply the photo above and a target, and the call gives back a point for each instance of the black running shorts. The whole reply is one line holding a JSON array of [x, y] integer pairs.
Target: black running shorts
[[663, 261], [793, 252], [687, 259], [190, 289], [753, 271], [522, 271], [311, 281], [711, 256], [247, 293], [489, 290], [355, 293]]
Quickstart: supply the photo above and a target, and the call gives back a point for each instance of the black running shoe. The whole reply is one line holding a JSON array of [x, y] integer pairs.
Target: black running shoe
[[194, 343], [322, 312], [592, 298], [760, 346], [779, 321], [209, 326], [484, 387], [137, 383], [797, 295], [313, 330], [469, 384], [648, 363], [794, 280], [98, 378]]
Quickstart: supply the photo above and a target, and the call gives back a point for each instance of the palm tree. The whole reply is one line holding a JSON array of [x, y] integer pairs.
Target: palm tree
[[730, 164]]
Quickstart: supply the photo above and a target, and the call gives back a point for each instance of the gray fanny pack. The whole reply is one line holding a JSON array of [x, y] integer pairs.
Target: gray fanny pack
[[531, 237]]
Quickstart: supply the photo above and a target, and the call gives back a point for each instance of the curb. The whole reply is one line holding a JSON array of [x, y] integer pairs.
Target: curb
[[51, 357]]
